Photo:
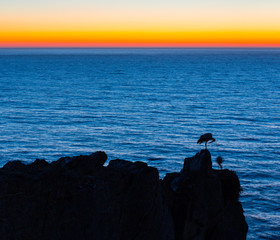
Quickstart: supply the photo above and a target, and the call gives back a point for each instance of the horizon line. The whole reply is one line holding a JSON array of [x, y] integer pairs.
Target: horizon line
[[140, 47]]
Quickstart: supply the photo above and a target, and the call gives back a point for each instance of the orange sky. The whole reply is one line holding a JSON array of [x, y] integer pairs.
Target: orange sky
[[141, 38], [153, 23]]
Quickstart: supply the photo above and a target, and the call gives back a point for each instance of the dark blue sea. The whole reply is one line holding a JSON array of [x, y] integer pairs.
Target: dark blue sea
[[150, 105]]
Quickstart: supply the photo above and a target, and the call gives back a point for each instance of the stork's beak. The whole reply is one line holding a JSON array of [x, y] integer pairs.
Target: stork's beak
[[213, 140]]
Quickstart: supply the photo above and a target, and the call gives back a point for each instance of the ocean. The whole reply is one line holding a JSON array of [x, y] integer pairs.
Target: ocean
[[150, 105]]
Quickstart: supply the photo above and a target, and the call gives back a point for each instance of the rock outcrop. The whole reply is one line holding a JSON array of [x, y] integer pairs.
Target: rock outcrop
[[204, 202], [78, 198]]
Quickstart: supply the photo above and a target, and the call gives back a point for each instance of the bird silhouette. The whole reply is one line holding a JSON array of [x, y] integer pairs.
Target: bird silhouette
[[206, 138], [220, 160]]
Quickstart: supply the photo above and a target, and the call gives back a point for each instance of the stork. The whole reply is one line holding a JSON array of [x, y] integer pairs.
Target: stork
[[206, 138]]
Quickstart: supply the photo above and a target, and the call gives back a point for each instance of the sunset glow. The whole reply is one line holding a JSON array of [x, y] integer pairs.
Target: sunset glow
[[148, 24]]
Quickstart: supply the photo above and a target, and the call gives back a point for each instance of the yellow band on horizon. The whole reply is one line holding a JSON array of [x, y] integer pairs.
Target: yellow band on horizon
[[140, 38]]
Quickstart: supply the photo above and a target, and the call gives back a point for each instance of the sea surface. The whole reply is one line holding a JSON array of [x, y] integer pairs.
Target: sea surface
[[150, 105]]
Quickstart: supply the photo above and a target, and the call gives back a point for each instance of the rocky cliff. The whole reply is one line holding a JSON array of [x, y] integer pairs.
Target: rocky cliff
[[78, 198]]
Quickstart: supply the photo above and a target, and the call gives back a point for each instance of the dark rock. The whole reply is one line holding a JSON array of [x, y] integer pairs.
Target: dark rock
[[83, 164], [232, 224], [202, 201], [201, 163], [230, 185], [79, 198], [39, 164], [14, 165]]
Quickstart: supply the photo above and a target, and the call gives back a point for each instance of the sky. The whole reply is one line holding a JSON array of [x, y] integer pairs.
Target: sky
[[145, 23]]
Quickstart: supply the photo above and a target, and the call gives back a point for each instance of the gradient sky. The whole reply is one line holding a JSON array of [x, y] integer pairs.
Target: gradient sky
[[162, 23]]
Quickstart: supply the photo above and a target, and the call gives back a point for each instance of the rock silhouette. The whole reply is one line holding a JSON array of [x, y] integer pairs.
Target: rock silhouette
[[204, 202], [79, 198]]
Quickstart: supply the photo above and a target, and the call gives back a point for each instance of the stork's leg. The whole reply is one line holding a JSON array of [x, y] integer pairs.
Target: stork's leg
[[205, 145]]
